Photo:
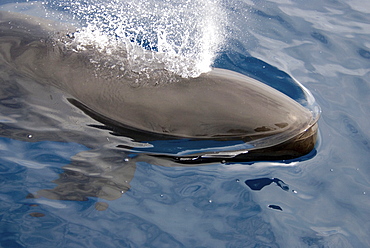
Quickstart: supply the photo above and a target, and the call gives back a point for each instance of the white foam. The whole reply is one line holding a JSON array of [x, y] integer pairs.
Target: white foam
[[185, 34]]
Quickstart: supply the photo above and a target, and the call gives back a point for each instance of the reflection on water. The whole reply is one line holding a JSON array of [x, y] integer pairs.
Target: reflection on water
[[260, 183], [44, 139], [40, 112], [33, 63], [103, 174]]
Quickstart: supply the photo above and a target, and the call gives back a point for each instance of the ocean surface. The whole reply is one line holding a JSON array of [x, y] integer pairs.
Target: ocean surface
[[115, 198]]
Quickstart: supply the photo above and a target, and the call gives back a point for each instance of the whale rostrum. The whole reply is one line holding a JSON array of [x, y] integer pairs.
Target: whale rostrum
[[219, 105]]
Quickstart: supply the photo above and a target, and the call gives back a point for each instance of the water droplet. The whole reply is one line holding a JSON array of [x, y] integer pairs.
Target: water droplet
[[126, 159], [331, 170], [29, 136], [237, 180], [161, 195], [210, 201], [364, 193], [294, 191]]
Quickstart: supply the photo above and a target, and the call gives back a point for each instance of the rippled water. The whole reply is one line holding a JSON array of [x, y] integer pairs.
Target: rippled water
[[318, 201]]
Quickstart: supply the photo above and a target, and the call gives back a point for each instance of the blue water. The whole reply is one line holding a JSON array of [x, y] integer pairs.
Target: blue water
[[321, 201]]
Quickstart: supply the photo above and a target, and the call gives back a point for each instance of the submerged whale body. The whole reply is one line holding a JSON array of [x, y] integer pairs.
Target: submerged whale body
[[220, 105]]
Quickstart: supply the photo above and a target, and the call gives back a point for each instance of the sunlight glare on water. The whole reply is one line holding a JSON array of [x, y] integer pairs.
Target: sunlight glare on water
[[185, 35], [112, 196]]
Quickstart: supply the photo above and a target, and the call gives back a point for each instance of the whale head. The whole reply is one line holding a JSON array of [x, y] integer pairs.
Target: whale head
[[219, 105]]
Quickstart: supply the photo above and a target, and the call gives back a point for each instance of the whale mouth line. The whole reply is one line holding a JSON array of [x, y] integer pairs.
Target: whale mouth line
[[241, 151], [302, 146], [218, 115]]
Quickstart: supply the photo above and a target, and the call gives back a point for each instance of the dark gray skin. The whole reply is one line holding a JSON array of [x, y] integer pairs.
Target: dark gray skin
[[220, 104]]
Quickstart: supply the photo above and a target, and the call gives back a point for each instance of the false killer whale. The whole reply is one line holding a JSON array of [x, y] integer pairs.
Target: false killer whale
[[219, 105]]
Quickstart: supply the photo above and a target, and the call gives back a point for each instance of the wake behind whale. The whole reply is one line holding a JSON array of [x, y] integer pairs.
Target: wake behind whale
[[157, 104]]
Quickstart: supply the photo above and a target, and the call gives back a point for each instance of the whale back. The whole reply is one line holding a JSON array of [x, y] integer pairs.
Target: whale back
[[220, 104]]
